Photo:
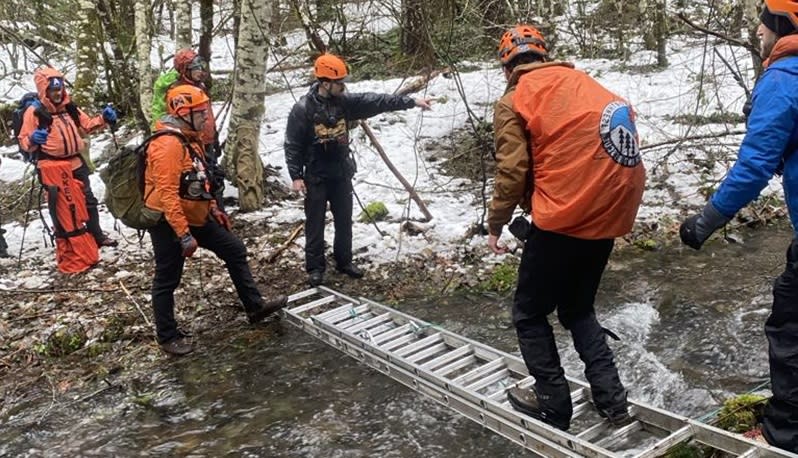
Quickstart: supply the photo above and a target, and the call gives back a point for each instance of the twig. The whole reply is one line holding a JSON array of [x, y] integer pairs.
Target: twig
[[129, 296], [716, 34], [294, 234], [690, 138], [12, 292]]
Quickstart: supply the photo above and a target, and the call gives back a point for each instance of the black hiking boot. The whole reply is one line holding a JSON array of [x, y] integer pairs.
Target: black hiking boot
[[267, 308], [316, 278], [617, 416], [351, 270], [179, 346], [526, 401]]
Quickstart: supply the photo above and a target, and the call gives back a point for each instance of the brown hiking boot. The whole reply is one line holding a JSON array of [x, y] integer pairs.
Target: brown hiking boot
[[267, 308], [179, 346], [526, 401]]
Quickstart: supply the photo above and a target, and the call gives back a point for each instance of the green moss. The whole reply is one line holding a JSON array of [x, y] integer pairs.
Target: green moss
[[375, 211], [647, 244], [686, 451], [62, 341], [502, 279], [740, 414]]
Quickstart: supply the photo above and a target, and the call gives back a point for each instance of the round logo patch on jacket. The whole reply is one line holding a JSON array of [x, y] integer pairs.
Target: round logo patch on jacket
[[619, 134]]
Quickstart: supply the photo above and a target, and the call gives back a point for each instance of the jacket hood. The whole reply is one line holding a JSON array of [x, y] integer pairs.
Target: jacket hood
[[784, 47], [41, 77], [526, 68]]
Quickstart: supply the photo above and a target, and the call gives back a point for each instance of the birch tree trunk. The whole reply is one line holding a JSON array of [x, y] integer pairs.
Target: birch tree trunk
[[751, 12], [206, 35], [241, 158], [143, 44], [86, 59], [182, 24]]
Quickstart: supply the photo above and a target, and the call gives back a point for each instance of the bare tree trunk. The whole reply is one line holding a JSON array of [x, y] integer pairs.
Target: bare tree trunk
[[751, 13], [143, 44], [415, 31], [242, 158], [183, 38], [86, 59], [206, 34], [661, 32]]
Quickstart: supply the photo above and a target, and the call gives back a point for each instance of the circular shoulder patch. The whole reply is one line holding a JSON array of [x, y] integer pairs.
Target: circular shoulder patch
[[619, 134]]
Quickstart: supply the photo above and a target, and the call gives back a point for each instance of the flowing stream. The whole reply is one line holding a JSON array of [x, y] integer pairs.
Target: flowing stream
[[691, 325]]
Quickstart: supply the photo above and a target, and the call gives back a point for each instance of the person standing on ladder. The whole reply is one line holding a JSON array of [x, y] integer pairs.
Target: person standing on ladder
[[319, 160], [577, 143], [53, 128], [769, 145]]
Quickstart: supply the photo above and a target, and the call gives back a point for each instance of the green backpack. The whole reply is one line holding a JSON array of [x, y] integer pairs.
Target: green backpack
[[124, 184], [162, 85]]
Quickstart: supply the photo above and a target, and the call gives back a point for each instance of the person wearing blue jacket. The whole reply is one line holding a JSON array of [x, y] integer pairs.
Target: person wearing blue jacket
[[769, 146]]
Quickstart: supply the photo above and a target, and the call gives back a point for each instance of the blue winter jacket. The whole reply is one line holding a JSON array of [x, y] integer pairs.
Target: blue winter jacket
[[772, 134]]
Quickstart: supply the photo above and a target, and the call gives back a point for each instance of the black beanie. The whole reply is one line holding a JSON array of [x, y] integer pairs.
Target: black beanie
[[780, 25]]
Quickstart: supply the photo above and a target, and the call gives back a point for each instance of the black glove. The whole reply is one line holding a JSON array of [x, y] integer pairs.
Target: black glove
[[696, 229]]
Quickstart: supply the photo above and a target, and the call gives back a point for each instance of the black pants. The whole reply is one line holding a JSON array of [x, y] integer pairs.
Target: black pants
[[169, 270], [93, 225], [780, 423], [338, 192], [562, 273]]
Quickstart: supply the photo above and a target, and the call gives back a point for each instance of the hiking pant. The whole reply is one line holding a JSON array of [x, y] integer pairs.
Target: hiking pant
[[93, 225], [562, 273], [169, 270], [338, 192], [780, 422]]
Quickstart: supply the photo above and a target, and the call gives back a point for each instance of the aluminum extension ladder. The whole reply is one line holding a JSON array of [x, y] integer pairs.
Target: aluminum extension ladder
[[472, 378]]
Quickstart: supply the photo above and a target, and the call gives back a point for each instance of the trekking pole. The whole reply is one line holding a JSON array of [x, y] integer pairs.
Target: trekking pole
[[27, 219]]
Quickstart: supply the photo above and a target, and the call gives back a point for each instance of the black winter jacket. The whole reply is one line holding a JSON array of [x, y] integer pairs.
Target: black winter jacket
[[317, 133]]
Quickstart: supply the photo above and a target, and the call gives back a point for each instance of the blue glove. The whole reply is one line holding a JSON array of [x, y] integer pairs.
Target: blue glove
[[109, 114], [39, 136], [696, 229]]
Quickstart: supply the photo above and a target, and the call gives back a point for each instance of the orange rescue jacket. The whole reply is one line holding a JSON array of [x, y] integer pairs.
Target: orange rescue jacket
[[166, 161], [65, 137], [587, 171]]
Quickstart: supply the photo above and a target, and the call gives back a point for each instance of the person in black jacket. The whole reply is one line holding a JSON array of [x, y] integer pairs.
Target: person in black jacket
[[320, 162]]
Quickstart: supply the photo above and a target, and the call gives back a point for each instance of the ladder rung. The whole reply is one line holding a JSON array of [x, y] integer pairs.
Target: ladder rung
[[488, 381], [421, 344], [370, 323], [620, 434], [328, 313], [751, 453], [312, 305], [434, 350], [456, 365], [303, 294], [479, 371], [380, 339], [381, 329], [497, 396], [591, 433], [581, 408], [410, 336], [447, 358], [667, 443], [578, 394], [346, 314]]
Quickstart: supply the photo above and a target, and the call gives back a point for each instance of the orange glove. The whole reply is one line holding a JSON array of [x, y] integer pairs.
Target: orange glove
[[221, 218]]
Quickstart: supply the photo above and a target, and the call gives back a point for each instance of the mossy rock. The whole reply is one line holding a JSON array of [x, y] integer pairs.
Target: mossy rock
[[63, 341], [741, 413], [686, 451], [502, 279], [375, 211]]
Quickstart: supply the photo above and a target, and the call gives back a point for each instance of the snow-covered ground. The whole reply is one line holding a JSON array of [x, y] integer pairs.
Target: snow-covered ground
[[673, 180]]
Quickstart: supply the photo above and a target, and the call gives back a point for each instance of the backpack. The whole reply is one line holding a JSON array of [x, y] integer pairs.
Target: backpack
[[45, 118], [124, 183], [162, 85]]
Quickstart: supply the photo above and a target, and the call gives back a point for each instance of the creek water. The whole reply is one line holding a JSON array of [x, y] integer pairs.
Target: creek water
[[691, 328]]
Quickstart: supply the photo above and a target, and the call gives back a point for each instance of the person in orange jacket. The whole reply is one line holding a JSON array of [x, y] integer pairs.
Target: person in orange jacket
[[574, 143], [53, 128], [177, 182]]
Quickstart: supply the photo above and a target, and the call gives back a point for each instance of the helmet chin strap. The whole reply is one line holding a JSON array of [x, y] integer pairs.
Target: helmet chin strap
[[190, 120]]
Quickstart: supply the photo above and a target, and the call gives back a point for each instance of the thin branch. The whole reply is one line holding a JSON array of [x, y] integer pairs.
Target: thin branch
[[735, 41]]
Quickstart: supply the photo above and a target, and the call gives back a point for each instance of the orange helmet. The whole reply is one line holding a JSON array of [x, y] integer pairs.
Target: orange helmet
[[521, 39], [330, 67], [184, 99], [786, 8]]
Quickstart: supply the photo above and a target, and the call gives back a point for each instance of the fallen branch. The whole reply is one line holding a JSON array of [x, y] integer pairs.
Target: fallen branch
[[129, 296], [731, 40], [294, 234], [691, 138]]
